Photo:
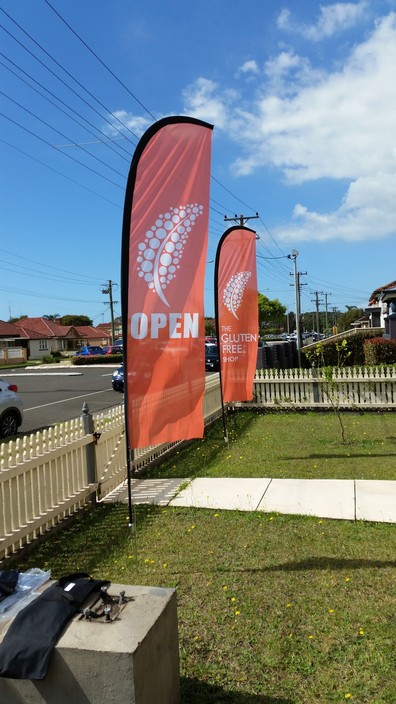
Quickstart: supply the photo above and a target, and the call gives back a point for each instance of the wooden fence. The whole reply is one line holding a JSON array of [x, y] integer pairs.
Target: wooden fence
[[49, 475], [365, 388]]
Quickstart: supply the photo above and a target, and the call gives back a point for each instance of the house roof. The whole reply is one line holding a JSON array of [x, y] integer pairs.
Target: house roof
[[376, 294], [9, 329], [90, 331], [41, 328]]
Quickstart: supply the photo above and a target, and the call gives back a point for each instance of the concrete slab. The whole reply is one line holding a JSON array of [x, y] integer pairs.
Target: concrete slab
[[325, 498], [146, 491], [376, 500], [223, 493]]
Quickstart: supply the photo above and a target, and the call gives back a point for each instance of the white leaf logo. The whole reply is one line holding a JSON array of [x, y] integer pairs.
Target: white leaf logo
[[233, 292], [160, 254]]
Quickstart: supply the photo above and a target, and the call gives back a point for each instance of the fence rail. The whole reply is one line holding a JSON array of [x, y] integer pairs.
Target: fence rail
[[49, 475], [349, 387]]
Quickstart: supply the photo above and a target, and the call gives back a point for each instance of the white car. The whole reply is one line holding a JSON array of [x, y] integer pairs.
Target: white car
[[11, 409]]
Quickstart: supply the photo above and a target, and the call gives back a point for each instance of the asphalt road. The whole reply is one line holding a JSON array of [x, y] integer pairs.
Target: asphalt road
[[54, 394]]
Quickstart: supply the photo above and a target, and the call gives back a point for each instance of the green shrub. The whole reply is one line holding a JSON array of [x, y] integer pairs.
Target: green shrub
[[48, 359], [329, 353], [379, 350], [86, 360]]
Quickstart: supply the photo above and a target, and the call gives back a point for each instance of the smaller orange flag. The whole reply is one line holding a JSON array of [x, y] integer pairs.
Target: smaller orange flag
[[237, 312]]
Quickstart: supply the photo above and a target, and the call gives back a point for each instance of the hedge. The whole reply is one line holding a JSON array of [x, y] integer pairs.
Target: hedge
[[89, 359], [379, 350], [329, 355]]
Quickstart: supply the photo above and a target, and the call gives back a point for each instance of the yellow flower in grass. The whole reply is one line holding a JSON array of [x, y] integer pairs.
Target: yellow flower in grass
[[225, 587], [348, 695], [361, 632], [233, 599], [237, 613]]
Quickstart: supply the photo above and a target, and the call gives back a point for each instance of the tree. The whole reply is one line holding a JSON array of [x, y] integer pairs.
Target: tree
[[52, 316], [75, 320], [210, 327], [15, 320], [271, 312], [345, 320]]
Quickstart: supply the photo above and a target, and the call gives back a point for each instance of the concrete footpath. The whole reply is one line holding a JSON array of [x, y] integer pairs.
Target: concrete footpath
[[346, 499]]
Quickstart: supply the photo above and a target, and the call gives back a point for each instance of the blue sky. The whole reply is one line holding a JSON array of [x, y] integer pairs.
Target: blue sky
[[303, 102]]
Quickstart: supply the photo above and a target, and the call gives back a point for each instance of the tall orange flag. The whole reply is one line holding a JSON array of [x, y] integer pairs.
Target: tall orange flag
[[165, 233], [237, 312]]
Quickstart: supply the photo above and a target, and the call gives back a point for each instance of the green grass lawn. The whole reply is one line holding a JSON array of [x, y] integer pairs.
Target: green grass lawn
[[291, 445], [272, 609]]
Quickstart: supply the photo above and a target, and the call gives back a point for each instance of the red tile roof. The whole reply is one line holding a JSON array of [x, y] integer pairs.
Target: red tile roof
[[9, 329], [375, 294]]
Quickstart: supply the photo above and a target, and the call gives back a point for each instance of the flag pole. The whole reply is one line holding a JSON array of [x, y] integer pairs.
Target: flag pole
[[216, 301]]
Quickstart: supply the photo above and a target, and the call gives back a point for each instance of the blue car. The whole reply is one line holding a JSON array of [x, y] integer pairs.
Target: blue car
[[89, 350], [117, 380]]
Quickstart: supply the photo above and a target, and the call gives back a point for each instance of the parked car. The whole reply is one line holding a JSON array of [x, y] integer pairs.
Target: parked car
[[112, 349], [119, 343], [117, 380], [212, 362], [89, 349], [11, 409]]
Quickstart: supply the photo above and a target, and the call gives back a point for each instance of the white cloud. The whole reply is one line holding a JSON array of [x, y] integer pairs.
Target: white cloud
[[249, 67], [288, 72], [367, 213], [337, 125], [205, 102], [340, 127], [332, 19], [135, 123]]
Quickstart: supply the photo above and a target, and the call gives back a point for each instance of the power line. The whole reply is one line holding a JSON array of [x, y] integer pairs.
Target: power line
[[67, 72], [72, 180], [60, 133], [66, 84], [6, 117], [103, 141], [100, 60]]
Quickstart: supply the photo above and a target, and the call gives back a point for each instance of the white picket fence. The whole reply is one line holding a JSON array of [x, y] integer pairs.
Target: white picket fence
[[350, 387], [47, 476]]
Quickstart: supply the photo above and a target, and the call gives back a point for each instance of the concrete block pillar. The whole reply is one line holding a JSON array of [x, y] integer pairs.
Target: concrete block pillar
[[132, 660]]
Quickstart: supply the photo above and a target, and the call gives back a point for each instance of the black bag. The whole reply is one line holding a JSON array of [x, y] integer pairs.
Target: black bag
[[26, 650], [8, 582]]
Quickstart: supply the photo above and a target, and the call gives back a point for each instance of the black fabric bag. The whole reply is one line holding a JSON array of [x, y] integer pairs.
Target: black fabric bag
[[8, 582], [26, 650]]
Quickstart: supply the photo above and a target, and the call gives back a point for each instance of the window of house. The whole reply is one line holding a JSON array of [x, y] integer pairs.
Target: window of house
[[43, 344]]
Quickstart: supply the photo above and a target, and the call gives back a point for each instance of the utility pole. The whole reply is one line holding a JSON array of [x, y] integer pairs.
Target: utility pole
[[326, 310], [297, 288], [241, 219], [317, 294], [108, 289]]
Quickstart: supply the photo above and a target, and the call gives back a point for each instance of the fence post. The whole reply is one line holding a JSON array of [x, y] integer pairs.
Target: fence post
[[90, 458], [315, 387]]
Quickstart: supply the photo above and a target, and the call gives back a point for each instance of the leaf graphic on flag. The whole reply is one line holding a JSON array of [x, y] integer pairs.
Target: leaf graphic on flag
[[233, 292], [160, 253]]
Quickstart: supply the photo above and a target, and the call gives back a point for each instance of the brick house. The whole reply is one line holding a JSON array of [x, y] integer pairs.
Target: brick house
[[46, 336]]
